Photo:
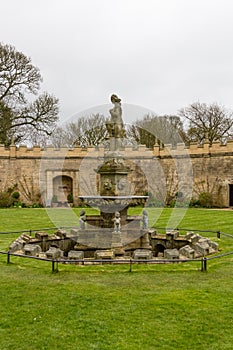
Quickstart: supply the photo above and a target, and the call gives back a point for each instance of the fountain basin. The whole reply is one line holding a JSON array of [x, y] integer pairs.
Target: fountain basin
[[116, 203]]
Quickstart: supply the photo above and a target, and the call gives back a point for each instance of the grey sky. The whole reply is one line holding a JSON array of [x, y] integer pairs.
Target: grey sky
[[159, 54]]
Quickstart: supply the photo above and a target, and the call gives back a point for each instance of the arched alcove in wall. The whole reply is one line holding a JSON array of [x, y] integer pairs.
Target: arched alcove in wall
[[62, 188]]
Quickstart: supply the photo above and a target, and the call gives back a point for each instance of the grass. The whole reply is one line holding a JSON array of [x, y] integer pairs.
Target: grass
[[107, 307]]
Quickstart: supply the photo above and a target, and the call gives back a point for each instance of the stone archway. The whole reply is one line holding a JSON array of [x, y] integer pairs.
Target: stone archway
[[62, 189]]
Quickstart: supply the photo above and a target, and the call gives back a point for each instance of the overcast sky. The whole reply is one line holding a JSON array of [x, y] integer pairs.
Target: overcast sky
[[158, 54]]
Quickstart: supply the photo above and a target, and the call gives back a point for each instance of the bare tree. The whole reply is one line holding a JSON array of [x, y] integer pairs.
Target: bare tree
[[85, 131], [212, 121], [19, 79], [164, 129]]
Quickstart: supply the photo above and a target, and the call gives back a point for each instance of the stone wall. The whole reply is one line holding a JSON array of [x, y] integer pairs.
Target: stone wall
[[161, 171]]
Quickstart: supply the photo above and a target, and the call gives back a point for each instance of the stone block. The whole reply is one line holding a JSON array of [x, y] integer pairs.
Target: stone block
[[15, 246], [213, 245], [189, 235], [119, 251], [104, 254], [20, 240], [26, 237], [75, 255], [203, 240], [61, 233], [187, 251], [172, 234], [201, 248], [152, 233], [171, 254], [32, 249], [53, 253], [195, 238], [142, 254], [41, 236]]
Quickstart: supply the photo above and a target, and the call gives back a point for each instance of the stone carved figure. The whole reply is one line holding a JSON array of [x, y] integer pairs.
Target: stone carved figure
[[82, 220], [107, 184], [122, 184], [115, 125], [117, 222], [145, 220]]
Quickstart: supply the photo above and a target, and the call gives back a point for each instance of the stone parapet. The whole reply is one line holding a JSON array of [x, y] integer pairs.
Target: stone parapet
[[168, 150], [194, 149]]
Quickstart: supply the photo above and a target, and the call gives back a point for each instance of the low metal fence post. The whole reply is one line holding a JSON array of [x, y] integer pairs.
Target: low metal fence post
[[8, 257], [130, 265], [204, 264], [54, 269], [218, 234]]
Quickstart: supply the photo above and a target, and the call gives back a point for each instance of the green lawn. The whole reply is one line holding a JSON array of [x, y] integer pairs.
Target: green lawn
[[107, 307]]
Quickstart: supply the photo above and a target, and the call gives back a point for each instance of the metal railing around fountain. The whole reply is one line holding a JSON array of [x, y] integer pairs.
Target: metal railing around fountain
[[54, 262]]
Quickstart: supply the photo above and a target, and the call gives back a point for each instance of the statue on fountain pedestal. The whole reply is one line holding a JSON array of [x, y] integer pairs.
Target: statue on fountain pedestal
[[115, 125]]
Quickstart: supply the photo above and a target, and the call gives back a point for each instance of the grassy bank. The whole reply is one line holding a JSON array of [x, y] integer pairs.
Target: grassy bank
[[107, 307]]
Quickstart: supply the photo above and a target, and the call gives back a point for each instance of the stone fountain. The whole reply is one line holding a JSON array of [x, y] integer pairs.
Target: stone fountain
[[113, 228]]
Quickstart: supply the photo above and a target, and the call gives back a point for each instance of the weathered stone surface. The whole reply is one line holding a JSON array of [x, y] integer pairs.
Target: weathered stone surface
[[19, 243], [152, 232], [142, 254], [187, 251], [41, 235], [15, 246], [201, 248], [25, 237], [61, 233], [32, 249], [118, 249], [171, 254], [104, 254], [53, 253], [194, 238], [189, 235], [214, 245], [172, 234], [80, 246], [75, 255]]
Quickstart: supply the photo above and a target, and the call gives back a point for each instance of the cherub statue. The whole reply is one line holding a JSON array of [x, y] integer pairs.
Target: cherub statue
[[117, 222], [82, 220], [145, 220]]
